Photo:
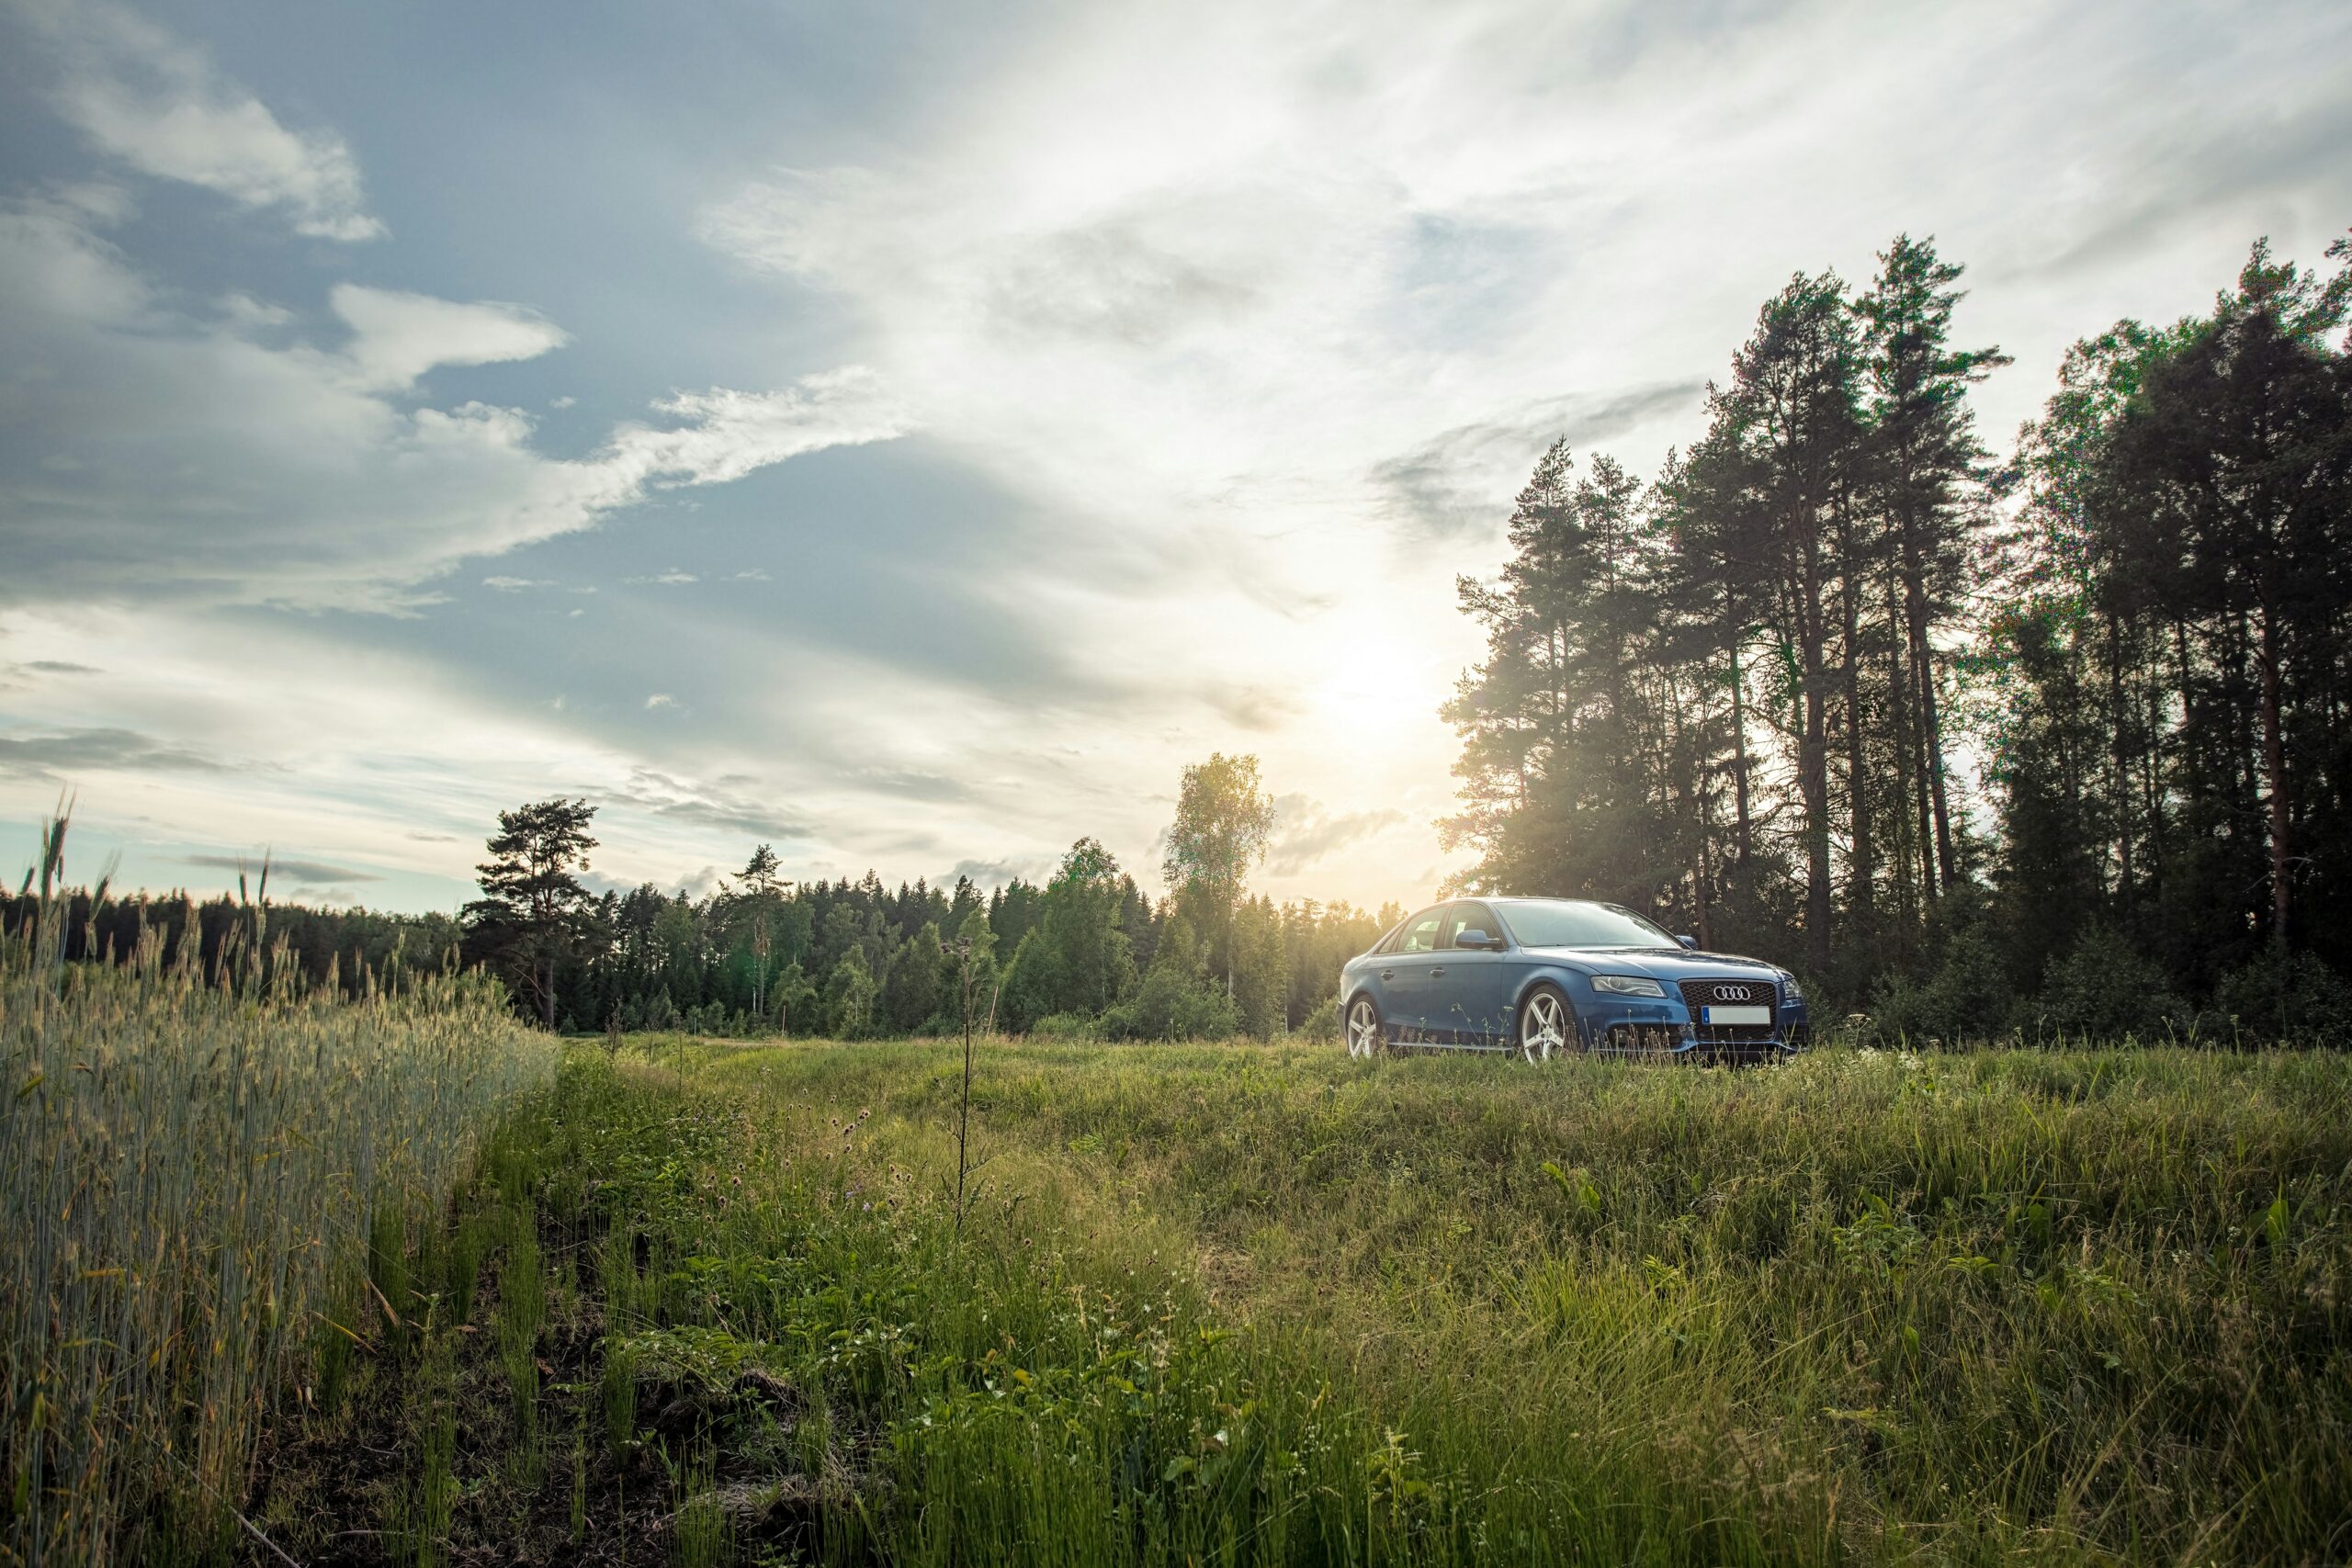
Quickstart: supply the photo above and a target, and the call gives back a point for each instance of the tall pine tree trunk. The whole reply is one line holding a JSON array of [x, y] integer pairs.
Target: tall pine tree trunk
[[1930, 722], [2151, 792], [1862, 906], [1903, 787], [2119, 733], [1742, 825], [2274, 763], [1813, 770]]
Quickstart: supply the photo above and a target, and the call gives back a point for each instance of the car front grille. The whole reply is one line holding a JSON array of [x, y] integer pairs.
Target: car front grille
[[1697, 994]]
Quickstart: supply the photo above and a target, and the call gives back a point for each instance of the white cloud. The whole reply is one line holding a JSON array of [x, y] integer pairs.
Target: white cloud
[[722, 434], [289, 474], [157, 104], [397, 337], [659, 700]]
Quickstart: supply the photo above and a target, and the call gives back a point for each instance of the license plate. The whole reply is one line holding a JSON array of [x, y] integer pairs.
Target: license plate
[[1735, 1015]]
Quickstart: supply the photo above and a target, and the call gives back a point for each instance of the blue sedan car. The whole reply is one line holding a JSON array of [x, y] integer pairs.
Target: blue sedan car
[[1546, 977]]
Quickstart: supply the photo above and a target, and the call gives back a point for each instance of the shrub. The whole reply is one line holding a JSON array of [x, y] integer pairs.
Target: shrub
[[2105, 989], [1069, 1026], [1966, 997], [1174, 1002], [2291, 999], [1321, 1027]]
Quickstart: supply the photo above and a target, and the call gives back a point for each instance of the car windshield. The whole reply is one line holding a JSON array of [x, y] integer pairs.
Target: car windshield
[[1565, 924]]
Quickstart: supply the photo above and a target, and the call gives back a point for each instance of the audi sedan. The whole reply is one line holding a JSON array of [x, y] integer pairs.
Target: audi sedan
[[1547, 977]]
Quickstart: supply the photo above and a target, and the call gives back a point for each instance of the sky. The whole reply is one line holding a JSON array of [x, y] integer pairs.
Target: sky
[[909, 434]]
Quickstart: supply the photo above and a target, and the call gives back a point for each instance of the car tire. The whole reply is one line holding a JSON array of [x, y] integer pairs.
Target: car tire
[[1546, 1027], [1365, 1033]]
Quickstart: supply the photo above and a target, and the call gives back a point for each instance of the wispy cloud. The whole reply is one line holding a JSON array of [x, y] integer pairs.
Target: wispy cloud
[[144, 96], [50, 667], [101, 751], [397, 337], [1454, 484], [1306, 835], [296, 869], [716, 807], [1254, 707]]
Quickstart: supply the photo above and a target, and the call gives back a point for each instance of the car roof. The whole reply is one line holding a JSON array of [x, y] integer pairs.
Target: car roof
[[1532, 898]]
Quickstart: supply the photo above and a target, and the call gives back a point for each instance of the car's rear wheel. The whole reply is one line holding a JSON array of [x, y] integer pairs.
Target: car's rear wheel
[[1547, 1026], [1366, 1039]]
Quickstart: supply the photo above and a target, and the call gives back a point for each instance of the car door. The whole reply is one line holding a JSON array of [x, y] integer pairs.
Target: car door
[[1405, 974], [1470, 985]]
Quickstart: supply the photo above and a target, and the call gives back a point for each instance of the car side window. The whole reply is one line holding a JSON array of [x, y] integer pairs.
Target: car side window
[[1471, 917], [1421, 932]]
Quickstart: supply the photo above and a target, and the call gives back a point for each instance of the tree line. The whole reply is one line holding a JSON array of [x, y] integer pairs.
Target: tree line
[[1087, 951], [2053, 741]]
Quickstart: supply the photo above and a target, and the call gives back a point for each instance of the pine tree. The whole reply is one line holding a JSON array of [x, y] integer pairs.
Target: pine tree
[[528, 920]]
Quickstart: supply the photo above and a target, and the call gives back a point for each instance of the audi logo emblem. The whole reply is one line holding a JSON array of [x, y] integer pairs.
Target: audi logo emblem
[[1732, 993]]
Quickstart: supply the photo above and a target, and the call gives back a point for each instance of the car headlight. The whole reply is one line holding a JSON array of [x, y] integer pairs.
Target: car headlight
[[1628, 985], [1788, 988]]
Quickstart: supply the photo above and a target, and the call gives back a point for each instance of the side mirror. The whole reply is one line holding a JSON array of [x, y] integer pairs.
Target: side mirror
[[1475, 938], [1689, 942]]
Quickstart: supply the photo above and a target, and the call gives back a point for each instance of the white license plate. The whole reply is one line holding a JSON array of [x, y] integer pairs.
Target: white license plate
[[1735, 1015]]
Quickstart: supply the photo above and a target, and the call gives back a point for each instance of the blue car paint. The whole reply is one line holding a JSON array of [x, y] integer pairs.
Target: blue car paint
[[1471, 999]]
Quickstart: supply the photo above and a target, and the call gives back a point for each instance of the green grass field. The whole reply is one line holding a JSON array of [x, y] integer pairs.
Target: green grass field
[[1257, 1303]]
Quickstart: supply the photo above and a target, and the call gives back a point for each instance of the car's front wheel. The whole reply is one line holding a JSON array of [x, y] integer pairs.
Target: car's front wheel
[[1547, 1026], [1366, 1039]]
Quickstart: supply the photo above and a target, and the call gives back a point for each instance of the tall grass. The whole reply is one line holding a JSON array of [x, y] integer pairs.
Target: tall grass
[[190, 1181], [1262, 1304]]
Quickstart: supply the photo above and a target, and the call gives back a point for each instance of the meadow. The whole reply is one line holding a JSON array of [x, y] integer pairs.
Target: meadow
[[1256, 1303]]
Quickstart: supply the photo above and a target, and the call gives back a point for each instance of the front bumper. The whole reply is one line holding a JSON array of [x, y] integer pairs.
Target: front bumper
[[1682, 1041], [1668, 1029]]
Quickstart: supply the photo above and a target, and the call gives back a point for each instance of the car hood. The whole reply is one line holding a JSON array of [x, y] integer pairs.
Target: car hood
[[1658, 962]]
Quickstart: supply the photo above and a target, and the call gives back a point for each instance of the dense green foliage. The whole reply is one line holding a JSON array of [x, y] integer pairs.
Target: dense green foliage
[[1737, 698], [1263, 1305], [856, 960], [347, 946]]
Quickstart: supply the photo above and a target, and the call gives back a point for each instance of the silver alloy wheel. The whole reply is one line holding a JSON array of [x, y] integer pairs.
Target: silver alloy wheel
[[1364, 1029], [1544, 1027]]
